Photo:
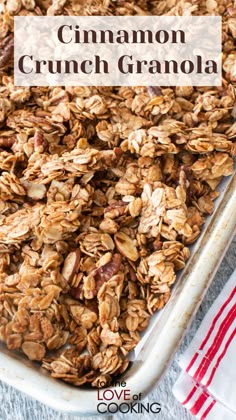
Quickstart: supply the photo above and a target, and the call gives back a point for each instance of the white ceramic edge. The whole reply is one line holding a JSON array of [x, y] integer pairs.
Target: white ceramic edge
[[159, 349]]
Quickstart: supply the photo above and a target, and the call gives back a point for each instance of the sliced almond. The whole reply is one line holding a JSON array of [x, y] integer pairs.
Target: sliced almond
[[34, 191], [126, 246], [71, 265]]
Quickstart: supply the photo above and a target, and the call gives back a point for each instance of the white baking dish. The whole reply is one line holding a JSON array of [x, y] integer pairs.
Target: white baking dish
[[160, 342]]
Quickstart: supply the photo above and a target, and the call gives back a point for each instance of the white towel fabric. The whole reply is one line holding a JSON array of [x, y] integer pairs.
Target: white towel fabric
[[207, 384]]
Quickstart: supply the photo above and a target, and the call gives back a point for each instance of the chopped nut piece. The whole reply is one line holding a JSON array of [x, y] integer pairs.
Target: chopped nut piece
[[6, 49], [71, 265], [106, 271], [34, 191], [126, 246]]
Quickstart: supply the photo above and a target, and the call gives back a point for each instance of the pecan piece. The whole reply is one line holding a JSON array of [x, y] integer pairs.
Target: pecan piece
[[7, 141], [154, 91], [106, 271], [6, 50]]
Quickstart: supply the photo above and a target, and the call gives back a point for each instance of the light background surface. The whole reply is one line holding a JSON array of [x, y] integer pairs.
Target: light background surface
[[15, 405]]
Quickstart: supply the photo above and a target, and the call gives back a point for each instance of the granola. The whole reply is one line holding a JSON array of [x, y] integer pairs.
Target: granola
[[102, 189]]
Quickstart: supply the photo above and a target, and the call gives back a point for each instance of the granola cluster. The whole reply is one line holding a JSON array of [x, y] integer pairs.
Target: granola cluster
[[102, 189]]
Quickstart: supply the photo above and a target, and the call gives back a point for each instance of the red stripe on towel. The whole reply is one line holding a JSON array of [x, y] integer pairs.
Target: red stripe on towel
[[213, 349], [192, 392], [208, 410], [211, 328], [199, 403], [220, 357]]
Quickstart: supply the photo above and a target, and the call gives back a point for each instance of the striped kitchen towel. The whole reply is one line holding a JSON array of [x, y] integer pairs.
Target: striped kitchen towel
[[207, 384]]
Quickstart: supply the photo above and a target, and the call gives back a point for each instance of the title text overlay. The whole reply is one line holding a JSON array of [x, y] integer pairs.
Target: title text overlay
[[117, 51]]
